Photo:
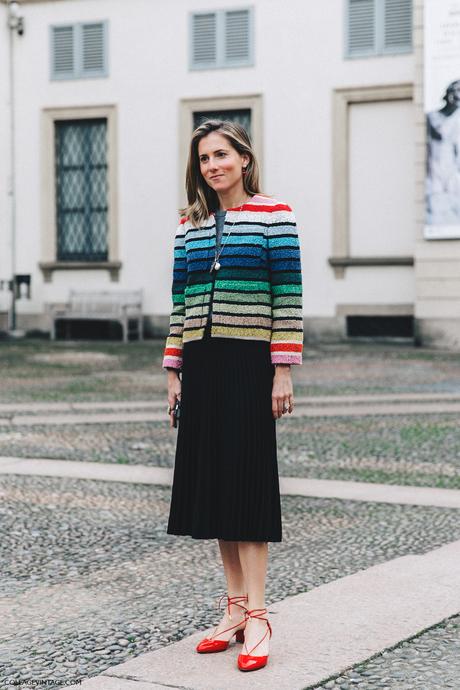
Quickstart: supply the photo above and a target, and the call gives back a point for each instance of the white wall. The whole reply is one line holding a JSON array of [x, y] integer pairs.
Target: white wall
[[382, 161], [382, 206], [298, 62]]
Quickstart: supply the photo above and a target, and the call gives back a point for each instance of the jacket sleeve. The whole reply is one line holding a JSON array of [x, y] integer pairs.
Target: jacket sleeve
[[173, 349], [286, 343]]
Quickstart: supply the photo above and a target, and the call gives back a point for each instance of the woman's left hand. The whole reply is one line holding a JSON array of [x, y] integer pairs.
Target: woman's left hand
[[282, 392]]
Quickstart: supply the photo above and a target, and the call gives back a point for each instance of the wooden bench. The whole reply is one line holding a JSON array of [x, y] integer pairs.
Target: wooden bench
[[122, 306]]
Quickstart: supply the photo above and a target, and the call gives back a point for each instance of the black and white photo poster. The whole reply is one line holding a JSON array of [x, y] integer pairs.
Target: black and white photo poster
[[442, 112]]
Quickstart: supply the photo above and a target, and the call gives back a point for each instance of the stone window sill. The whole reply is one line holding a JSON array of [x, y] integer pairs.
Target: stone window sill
[[339, 263], [48, 267]]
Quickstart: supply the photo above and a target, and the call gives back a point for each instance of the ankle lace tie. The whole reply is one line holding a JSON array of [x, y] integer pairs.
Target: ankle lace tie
[[252, 614], [233, 600]]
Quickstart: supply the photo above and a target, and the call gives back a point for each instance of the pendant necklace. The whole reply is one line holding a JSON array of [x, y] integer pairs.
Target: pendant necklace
[[216, 264]]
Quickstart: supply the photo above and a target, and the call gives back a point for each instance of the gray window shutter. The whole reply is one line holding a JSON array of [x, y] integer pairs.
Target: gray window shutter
[[79, 50], [237, 36], [398, 24], [93, 47], [63, 50], [204, 39], [361, 26]]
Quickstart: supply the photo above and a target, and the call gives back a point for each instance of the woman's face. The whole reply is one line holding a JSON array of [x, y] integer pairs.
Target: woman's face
[[220, 164]]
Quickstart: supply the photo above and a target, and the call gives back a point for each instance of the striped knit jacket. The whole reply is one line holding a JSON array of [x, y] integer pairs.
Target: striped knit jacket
[[257, 292]]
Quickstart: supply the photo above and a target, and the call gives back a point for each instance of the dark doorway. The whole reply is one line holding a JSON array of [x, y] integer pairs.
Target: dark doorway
[[380, 326]]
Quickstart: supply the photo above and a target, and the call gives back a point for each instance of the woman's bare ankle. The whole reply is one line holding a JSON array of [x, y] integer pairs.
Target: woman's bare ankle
[[237, 594]]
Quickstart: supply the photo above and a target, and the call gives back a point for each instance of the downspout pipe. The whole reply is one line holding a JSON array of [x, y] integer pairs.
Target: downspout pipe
[[15, 25], [12, 185]]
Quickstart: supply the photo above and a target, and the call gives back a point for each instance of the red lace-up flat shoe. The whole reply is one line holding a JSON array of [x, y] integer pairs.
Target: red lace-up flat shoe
[[208, 645], [246, 662]]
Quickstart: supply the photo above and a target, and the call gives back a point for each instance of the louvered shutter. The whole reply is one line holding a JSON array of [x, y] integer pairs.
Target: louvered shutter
[[361, 27], [204, 39], [92, 47], [398, 24], [63, 51], [79, 50], [237, 36]]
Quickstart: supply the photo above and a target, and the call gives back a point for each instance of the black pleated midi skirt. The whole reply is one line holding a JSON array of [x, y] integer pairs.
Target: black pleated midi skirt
[[225, 483]]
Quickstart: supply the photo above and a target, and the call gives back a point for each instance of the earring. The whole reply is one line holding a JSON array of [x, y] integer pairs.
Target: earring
[[244, 170]]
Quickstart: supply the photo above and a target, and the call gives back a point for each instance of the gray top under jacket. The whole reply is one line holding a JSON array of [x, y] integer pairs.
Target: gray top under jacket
[[220, 219]]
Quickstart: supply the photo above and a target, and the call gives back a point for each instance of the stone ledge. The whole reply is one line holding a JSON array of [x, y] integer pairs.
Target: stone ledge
[[48, 267]]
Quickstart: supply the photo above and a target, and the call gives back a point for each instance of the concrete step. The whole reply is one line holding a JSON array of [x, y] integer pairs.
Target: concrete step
[[385, 403], [296, 486]]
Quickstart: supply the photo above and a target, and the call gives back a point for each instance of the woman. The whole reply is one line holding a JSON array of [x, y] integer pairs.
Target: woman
[[235, 330]]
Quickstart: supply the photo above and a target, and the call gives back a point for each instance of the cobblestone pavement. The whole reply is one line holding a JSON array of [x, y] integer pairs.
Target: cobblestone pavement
[[419, 450], [430, 661], [90, 578]]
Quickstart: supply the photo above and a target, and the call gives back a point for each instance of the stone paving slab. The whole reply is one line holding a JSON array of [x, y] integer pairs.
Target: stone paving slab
[[132, 474], [320, 633], [378, 397], [293, 486], [373, 409], [300, 411], [109, 683], [8, 408], [94, 418], [367, 491]]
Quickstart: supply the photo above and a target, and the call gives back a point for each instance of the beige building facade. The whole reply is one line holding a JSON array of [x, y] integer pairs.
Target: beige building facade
[[437, 262], [333, 97]]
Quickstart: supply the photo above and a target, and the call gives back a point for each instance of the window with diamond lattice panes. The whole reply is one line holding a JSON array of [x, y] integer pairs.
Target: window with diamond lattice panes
[[241, 115], [81, 190]]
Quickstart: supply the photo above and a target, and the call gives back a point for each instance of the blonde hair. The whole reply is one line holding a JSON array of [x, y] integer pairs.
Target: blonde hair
[[202, 200]]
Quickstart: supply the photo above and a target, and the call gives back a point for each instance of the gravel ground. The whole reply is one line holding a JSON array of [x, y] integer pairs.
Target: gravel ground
[[430, 661], [90, 577], [35, 370], [419, 450]]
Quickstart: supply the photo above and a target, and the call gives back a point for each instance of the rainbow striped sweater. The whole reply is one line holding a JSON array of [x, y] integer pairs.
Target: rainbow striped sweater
[[257, 292]]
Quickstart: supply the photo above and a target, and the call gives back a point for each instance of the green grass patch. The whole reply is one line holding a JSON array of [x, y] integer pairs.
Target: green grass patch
[[378, 476], [422, 433]]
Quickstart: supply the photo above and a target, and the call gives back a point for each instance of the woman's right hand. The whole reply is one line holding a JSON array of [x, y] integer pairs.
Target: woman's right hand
[[174, 392]]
